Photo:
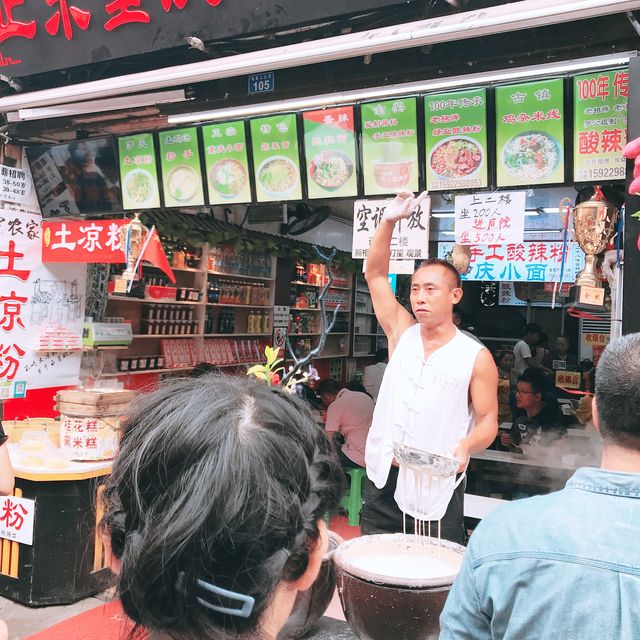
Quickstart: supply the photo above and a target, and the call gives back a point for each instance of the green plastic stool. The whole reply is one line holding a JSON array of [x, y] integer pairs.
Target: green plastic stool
[[352, 501]]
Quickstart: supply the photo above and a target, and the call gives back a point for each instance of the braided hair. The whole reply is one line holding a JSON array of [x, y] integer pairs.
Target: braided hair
[[218, 479]]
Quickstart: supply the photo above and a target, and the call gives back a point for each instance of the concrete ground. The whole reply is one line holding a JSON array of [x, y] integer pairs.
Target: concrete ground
[[24, 621]]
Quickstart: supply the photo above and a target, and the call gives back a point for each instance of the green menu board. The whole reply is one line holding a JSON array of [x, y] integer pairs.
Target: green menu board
[[389, 146], [456, 138], [138, 173], [225, 154], [276, 159], [181, 173], [330, 150], [600, 125], [530, 133]]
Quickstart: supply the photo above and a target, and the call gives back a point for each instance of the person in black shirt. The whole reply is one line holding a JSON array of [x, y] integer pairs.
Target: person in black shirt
[[538, 418]]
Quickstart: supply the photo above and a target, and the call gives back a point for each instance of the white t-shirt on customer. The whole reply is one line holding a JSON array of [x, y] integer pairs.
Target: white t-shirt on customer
[[520, 352]]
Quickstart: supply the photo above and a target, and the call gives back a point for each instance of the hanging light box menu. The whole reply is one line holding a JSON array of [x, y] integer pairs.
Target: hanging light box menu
[[600, 125], [530, 133], [456, 138], [138, 173], [227, 167], [389, 146], [330, 151], [181, 173], [276, 159]]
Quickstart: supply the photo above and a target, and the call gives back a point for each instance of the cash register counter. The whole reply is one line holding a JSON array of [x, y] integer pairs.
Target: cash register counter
[[66, 561]]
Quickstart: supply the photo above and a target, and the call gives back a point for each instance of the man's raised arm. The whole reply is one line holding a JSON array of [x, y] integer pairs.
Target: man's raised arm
[[392, 316]]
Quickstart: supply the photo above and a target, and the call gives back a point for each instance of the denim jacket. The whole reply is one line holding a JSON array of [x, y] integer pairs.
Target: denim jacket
[[564, 566]]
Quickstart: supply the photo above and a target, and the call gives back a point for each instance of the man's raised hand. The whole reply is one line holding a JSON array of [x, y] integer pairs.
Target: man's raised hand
[[403, 204]]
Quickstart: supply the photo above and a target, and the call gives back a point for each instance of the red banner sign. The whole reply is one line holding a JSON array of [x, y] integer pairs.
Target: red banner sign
[[82, 241]]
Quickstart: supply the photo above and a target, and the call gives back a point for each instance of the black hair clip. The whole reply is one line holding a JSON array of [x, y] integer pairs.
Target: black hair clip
[[243, 612]]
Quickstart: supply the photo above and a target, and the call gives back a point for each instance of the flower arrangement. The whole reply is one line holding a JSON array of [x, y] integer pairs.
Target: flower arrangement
[[272, 371]]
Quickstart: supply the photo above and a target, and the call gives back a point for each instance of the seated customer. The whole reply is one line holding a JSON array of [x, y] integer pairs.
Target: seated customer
[[214, 508], [538, 418], [373, 374], [348, 413], [559, 359], [506, 385], [564, 565]]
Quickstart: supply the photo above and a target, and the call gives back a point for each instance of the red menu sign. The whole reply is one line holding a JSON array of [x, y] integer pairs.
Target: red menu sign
[[82, 241]]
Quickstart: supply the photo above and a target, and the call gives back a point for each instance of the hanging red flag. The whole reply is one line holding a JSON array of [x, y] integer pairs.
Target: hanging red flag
[[154, 253]]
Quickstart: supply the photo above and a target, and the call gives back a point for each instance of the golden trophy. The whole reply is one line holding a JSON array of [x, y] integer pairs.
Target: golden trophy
[[594, 221], [131, 239]]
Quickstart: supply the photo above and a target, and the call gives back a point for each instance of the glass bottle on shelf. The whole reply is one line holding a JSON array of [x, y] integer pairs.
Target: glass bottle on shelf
[[266, 322]]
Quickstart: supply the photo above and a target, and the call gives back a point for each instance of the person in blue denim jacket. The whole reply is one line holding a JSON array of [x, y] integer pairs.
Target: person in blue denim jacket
[[565, 565]]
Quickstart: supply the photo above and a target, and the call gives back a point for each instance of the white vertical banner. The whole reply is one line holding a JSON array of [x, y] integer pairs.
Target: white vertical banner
[[39, 304]]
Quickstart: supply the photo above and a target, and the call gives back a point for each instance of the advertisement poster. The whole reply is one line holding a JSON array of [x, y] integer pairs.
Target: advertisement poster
[[530, 133], [330, 150], [456, 138], [389, 146], [600, 125], [521, 261], [490, 218], [37, 302], [276, 158], [138, 173], [181, 173], [227, 166], [410, 240]]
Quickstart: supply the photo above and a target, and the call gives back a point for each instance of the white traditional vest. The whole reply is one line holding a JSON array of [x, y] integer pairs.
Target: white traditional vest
[[424, 404]]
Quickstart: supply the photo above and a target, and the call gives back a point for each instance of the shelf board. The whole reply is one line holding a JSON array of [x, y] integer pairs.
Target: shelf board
[[368, 335], [365, 313], [362, 354], [151, 300], [106, 347], [239, 275], [334, 355], [233, 304], [136, 373], [319, 286], [181, 269], [166, 335], [237, 335], [363, 291], [331, 333]]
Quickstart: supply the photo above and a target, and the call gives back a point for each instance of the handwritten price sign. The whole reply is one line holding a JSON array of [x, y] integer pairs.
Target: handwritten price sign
[[490, 218]]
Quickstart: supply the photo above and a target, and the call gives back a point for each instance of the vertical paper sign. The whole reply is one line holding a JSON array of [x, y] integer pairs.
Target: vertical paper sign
[[456, 138], [40, 305], [490, 218], [276, 159], [138, 173], [600, 125], [330, 151], [225, 149], [181, 174], [530, 133], [389, 146]]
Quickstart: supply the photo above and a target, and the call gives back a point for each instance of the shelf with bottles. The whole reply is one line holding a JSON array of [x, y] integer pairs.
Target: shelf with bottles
[[244, 321], [224, 261], [335, 345]]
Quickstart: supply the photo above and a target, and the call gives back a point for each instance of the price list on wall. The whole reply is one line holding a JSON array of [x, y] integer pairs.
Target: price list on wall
[[456, 137], [600, 125], [530, 133]]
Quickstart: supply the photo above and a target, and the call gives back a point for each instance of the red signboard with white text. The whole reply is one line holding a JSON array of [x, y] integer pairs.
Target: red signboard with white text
[[82, 241]]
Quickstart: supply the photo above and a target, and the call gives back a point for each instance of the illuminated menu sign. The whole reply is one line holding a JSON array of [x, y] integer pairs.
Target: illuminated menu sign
[[600, 125], [530, 133], [456, 137], [181, 173], [138, 173]]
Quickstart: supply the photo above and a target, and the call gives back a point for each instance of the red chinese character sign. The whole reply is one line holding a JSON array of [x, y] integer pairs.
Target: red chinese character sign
[[530, 133], [83, 241], [410, 239], [490, 218], [600, 125], [520, 261], [36, 300], [16, 519]]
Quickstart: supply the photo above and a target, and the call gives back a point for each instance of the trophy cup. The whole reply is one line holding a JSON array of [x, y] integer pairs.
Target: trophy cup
[[131, 238], [593, 221]]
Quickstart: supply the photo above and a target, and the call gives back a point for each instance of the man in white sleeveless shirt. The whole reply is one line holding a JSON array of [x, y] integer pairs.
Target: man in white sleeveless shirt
[[438, 394]]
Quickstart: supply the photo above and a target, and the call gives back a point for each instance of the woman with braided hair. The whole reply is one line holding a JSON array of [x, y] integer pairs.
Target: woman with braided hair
[[214, 508]]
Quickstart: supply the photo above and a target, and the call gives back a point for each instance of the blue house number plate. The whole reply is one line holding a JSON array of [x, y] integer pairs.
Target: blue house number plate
[[262, 82]]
